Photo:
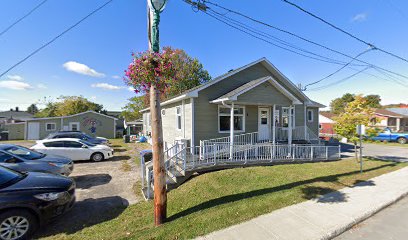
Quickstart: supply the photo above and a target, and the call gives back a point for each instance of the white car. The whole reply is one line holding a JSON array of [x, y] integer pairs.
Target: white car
[[75, 149]]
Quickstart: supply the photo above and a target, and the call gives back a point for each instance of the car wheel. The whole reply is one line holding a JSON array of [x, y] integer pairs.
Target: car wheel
[[17, 225], [402, 140], [97, 157]]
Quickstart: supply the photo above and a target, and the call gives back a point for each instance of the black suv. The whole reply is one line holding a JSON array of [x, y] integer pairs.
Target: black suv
[[78, 135], [28, 200]]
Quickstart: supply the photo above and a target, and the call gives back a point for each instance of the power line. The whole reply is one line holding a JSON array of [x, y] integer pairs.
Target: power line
[[339, 81], [276, 39], [20, 19], [294, 35], [55, 38], [338, 70], [265, 40], [343, 31]]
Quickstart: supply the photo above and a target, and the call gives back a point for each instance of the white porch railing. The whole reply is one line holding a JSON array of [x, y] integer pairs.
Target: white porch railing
[[180, 158]]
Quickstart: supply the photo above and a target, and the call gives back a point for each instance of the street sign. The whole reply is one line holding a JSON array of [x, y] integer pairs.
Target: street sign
[[360, 129]]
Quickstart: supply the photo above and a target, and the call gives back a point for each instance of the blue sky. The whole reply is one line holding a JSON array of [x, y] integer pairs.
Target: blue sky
[[90, 59]]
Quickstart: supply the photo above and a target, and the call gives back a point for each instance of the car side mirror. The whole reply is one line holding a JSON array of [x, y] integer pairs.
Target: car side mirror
[[84, 146]]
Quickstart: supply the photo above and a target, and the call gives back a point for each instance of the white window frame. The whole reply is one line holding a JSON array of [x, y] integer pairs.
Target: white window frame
[[229, 114], [180, 114], [50, 130], [307, 115], [74, 123]]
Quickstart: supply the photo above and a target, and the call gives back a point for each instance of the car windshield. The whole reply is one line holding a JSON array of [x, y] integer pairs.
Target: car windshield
[[24, 152], [7, 176], [87, 143], [87, 136]]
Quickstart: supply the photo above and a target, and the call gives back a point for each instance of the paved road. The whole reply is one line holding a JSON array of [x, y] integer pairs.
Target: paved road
[[380, 151], [390, 223]]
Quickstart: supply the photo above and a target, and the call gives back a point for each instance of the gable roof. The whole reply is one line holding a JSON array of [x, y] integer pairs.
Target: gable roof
[[385, 112], [328, 115], [401, 111], [18, 115], [232, 95], [73, 115], [193, 92]]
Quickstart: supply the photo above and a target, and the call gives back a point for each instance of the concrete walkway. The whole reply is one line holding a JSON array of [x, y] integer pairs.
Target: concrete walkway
[[324, 217]]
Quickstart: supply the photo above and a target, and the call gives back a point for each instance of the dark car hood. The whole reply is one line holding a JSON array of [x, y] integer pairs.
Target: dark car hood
[[41, 181], [55, 159]]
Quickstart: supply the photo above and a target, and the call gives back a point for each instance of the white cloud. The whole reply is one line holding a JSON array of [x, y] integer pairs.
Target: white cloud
[[132, 89], [82, 69], [116, 77], [106, 86], [15, 85], [5, 100], [41, 86], [361, 17], [15, 77]]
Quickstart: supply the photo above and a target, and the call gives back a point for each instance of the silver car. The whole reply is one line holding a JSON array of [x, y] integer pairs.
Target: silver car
[[25, 160]]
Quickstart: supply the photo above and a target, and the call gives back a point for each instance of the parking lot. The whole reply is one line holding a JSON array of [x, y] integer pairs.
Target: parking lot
[[104, 189]]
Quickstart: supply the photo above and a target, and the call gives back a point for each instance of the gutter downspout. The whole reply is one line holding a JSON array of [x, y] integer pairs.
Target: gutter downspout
[[231, 127]]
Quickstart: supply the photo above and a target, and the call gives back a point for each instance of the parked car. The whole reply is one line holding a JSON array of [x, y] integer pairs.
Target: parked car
[[28, 200], [25, 160], [389, 136], [78, 135], [73, 148]]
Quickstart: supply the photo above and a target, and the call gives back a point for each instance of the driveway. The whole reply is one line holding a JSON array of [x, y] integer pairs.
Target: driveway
[[379, 151], [104, 190]]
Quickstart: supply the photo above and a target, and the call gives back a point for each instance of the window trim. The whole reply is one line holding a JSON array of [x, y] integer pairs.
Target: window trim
[[307, 115], [74, 123], [181, 118], [51, 130], [229, 114]]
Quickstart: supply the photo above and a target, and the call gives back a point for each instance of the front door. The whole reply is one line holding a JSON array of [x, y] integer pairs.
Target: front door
[[264, 129]]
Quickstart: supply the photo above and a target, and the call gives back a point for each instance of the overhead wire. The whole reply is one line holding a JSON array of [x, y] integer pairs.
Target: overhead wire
[[344, 31], [55, 38], [22, 18], [298, 36]]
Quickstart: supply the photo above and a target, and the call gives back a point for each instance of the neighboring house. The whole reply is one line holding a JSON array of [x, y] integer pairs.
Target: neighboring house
[[134, 128], [13, 116], [120, 122], [394, 118], [265, 103], [90, 122], [326, 125]]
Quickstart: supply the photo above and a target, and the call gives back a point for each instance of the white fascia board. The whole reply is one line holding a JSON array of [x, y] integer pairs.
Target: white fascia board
[[285, 92], [269, 64], [173, 100]]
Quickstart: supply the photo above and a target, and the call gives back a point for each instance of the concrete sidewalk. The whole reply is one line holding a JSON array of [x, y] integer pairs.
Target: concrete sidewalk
[[324, 217]]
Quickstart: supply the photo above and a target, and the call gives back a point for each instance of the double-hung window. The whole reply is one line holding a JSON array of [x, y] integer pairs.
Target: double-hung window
[[178, 118], [50, 126], [224, 116]]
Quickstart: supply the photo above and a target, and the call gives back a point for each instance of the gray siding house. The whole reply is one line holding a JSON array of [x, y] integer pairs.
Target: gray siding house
[[255, 101], [90, 122]]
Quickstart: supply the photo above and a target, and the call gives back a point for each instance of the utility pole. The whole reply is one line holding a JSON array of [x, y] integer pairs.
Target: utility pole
[[159, 170]]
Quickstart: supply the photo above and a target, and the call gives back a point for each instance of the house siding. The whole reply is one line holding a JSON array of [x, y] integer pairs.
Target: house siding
[[314, 125], [15, 131], [104, 125], [206, 114], [170, 131]]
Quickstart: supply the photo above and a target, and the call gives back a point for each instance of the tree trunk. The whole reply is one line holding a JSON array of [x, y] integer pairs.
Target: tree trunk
[[159, 171]]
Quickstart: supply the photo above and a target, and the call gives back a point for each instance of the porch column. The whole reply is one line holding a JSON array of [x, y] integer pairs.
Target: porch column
[[290, 125], [398, 124], [305, 120], [232, 131], [273, 124]]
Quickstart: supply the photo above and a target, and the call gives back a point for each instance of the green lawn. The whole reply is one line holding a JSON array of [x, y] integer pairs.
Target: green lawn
[[220, 199]]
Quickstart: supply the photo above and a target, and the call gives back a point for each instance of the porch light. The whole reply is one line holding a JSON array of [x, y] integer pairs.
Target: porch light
[[157, 5]]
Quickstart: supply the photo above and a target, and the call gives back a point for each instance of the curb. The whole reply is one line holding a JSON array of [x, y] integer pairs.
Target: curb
[[362, 218]]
